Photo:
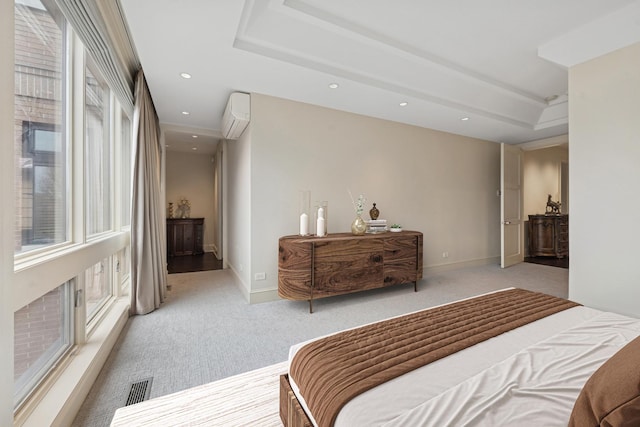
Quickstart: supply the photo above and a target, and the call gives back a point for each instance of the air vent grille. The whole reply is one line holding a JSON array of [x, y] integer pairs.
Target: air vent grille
[[139, 392]]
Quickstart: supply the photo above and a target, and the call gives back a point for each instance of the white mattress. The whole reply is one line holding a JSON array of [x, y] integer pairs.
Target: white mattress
[[529, 376]]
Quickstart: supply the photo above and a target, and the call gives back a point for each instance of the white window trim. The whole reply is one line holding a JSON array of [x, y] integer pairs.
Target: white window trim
[[7, 213]]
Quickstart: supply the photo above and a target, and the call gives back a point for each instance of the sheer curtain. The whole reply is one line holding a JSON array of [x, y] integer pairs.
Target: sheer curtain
[[94, 21], [148, 273]]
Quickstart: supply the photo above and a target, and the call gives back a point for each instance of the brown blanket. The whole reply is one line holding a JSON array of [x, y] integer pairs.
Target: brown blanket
[[333, 370]]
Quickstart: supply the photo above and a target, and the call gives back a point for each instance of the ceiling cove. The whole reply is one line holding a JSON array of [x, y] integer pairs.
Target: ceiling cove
[[361, 54]]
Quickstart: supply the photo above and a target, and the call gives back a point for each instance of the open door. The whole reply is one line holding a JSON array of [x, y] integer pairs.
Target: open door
[[511, 228]]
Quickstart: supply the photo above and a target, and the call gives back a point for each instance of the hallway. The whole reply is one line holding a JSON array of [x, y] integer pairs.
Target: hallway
[[552, 261], [189, 263]]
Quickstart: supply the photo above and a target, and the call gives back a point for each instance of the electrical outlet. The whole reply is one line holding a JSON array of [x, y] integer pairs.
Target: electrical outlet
[[260, 276], [445, 254]]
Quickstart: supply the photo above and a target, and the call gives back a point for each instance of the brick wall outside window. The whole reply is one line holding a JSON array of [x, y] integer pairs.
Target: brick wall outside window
[[37, 328]]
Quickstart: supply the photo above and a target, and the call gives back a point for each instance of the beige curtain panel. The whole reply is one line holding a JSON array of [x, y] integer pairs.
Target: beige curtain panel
[[148, 239]]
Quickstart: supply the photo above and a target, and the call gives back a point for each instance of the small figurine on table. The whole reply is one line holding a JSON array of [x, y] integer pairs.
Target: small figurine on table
[[553, 208], [185, 208]]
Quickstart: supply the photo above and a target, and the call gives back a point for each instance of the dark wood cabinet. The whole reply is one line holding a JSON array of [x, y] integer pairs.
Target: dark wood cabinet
[[318, 267], [184, 236], [549, 235]]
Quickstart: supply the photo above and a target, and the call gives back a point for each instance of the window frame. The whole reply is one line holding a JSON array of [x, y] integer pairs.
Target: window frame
[[108, 135], [93, 315], [24, 388], [125, 146], [24, 256]]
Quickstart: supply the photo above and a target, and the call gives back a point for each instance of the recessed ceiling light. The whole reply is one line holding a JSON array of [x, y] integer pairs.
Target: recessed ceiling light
[[334, 85], [404, 103], [185, 75], [194, 148], [194, 136], [464, 119], [186, 113]]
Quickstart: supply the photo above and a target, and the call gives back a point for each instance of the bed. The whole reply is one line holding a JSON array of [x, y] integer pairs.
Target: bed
[[512, 357]]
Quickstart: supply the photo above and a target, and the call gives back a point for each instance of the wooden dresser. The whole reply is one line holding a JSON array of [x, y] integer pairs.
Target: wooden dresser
[[184, 236], [549, 235], [317, 267]]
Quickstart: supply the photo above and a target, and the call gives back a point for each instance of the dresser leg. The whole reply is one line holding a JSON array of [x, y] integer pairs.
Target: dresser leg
[[313, 276], [415, 286]]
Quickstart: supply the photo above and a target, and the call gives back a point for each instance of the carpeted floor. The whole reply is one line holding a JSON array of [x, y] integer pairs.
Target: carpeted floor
[[205, 331]]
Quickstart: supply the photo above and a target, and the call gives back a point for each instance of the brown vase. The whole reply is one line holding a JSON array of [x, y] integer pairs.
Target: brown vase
[[374, 212]]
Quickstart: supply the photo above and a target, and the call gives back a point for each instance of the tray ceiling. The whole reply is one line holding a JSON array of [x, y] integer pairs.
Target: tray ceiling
[[501, 64]]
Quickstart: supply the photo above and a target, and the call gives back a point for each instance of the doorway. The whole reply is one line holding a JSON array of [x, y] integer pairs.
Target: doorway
[[545, 174], [193, 177]]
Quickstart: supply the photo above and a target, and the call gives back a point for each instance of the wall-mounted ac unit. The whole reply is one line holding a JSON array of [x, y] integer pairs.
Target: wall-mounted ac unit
[[236, 115]]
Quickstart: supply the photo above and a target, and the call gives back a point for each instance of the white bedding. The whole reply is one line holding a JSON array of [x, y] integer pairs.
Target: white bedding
[[529, 376]]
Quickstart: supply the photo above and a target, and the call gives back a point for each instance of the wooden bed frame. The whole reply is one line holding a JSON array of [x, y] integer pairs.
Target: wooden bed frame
[[291, 412]]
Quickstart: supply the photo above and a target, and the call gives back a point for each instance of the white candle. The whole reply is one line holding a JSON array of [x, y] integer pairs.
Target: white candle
[[320, 225], [304, 224]]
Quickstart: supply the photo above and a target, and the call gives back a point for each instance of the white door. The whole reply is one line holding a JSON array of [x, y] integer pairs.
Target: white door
[[511, 229]]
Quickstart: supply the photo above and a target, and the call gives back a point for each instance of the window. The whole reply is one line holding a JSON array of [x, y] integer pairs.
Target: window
[[43, 332], [97, 154], [46, 173], [126, 170], [42, 167], [98, 288], [124, 268], [51, 213]]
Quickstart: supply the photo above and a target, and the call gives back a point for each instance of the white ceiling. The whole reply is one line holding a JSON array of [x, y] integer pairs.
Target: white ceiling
[[501, 63]]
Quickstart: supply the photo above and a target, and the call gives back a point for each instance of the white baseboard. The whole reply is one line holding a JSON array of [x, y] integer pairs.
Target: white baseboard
[[439, 268], [237, 280], [265, 295], [253, 297]]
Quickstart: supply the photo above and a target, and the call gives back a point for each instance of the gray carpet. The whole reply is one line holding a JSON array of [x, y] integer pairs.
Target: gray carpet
[[205, 330]]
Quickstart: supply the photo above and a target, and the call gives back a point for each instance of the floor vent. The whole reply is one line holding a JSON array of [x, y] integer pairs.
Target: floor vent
[[139, 392]]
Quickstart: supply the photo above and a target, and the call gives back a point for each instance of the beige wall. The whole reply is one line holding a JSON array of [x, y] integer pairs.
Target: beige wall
[[192, 176], [237, 209], [604, 153], [541, 172], [441, 184], [217, 213]]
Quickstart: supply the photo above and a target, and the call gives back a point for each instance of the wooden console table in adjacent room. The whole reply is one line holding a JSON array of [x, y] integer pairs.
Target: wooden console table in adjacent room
[[316, 267], [184, 236], [549, 235]]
